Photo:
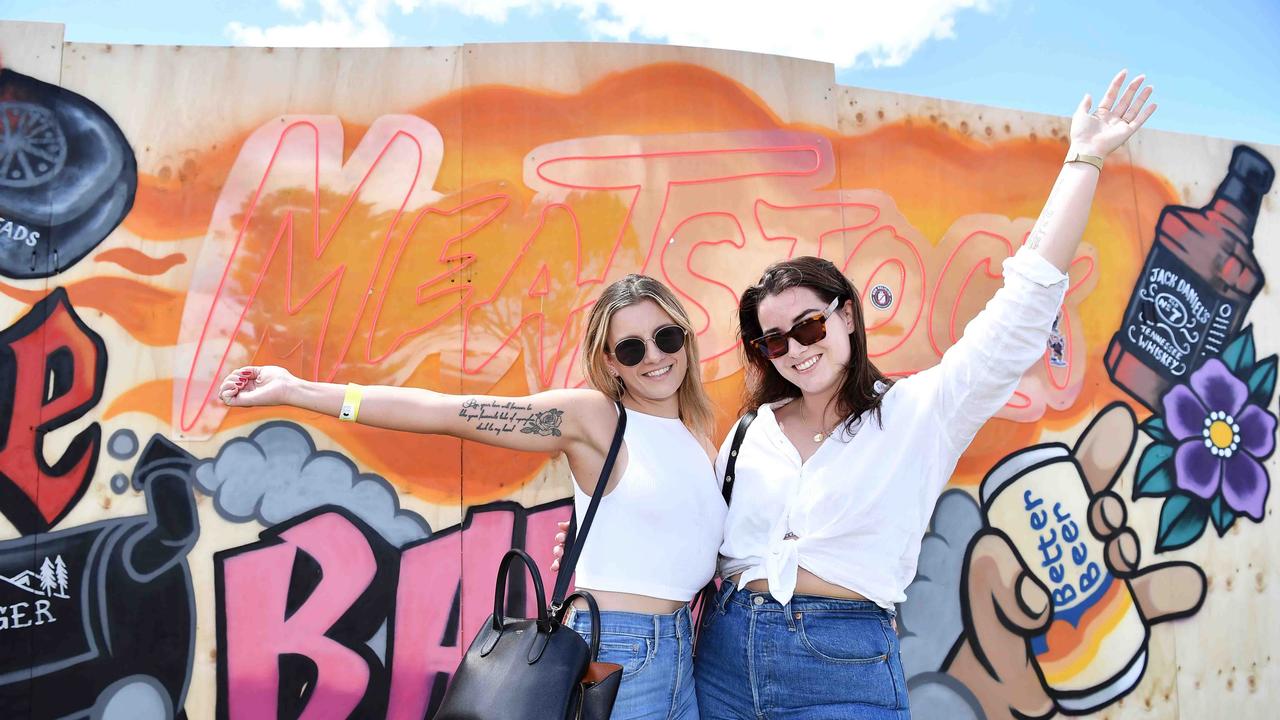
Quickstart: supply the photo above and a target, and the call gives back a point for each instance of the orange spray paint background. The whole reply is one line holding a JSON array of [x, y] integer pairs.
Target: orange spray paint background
[[478, 282]]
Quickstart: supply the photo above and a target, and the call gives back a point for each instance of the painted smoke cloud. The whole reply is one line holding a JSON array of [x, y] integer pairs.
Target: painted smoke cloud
[[276, 474]]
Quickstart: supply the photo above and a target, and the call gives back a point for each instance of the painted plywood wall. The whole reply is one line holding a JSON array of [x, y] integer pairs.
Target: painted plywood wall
[[442, 217]]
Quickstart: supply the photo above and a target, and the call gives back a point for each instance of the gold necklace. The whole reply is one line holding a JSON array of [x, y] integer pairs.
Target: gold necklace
[[820, 435]]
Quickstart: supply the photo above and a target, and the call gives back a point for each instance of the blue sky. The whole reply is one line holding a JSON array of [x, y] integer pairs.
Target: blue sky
[[1215, 70]]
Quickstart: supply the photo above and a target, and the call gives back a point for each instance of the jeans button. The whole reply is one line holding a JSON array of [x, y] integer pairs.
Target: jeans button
[[758, 601]]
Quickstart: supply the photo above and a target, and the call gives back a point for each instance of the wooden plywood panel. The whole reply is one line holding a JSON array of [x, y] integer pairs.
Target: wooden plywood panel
[[587, 138], [508, 204], [32, 48], [201, 123], [865, 109], [953, 201], [798, 91], [200, 95], [953, 138], [35, 50], [1226, 654]]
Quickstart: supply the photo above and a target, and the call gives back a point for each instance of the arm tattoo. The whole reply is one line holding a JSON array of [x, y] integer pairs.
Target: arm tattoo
[[1037, 233], [546, 422], [501, 418], [1042, 222]]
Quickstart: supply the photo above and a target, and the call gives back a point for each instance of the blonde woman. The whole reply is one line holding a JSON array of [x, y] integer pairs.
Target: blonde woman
[[655, 538]]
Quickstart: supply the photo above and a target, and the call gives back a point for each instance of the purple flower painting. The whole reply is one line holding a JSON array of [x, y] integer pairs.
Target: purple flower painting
[[1221, 438], [1210, 438]]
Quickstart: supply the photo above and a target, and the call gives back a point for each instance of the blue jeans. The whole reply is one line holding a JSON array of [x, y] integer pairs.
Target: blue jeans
[[656, 655], [814, 658]]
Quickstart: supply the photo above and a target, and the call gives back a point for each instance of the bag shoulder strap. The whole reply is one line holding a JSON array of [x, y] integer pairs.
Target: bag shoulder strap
[[702, 600], [727, 488], [577, 538]]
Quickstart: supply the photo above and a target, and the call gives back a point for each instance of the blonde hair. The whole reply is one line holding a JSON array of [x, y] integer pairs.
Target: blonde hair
[[695, 406]]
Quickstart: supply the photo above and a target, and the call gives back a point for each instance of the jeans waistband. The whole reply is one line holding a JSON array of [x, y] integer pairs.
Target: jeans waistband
[[676, 624], [764, 602]]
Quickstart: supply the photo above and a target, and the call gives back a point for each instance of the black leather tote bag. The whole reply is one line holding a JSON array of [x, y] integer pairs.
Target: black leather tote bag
[[537, 668]]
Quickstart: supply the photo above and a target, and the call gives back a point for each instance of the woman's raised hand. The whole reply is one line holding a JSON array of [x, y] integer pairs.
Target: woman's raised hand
[[252, 386], [1099, 131]]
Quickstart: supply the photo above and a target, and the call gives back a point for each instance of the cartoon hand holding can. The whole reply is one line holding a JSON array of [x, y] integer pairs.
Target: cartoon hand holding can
[[1056, 613]]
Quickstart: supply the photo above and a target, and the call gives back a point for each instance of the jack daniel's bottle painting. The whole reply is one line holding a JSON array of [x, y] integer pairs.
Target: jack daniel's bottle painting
[[1196, 287]]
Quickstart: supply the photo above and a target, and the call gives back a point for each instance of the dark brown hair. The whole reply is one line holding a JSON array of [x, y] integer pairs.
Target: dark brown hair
[[857, 393]]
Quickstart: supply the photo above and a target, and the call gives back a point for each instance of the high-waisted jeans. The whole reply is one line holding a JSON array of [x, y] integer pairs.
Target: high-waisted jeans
[[656, 655], [814, 658]]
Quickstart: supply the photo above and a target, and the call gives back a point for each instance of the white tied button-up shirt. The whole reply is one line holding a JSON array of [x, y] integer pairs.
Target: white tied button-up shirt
[[855, 512]]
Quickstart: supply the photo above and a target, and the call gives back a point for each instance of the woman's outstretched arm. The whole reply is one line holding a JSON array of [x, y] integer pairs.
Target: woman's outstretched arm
[[1095, 133], [978, 374], [550, 421]]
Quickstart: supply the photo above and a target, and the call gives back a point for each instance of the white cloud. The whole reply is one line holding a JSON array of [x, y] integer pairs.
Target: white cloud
[[842, 32], [846, 33], [342, 23], [496, 11]]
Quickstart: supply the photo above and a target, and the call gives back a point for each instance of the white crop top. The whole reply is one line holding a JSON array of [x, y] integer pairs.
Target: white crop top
[[658, 532]]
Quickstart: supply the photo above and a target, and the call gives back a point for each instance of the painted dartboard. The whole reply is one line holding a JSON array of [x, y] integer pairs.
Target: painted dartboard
[[67, 177], [32, 146]]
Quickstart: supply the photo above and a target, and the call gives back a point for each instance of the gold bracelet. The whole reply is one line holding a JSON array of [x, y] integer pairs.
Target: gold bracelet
[[1077, 156], [351, 403]]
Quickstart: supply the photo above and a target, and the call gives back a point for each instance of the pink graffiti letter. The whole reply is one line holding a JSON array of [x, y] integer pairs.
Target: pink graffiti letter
[[255, 593]]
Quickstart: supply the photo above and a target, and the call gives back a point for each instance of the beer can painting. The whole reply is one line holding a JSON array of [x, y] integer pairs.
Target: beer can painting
[[1095, 649]]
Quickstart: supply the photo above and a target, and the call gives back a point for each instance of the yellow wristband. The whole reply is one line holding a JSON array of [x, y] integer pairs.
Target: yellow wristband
[[1076, 156], [351, 403]]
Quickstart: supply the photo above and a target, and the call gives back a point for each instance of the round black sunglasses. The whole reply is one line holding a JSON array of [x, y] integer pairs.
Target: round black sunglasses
[[630, 351]]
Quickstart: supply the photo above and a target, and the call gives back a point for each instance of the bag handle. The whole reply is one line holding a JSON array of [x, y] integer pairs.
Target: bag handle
[[593, 608], [500, 592], [575, 540]]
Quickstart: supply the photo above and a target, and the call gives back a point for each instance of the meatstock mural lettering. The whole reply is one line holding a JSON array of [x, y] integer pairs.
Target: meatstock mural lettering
[[179, 559]]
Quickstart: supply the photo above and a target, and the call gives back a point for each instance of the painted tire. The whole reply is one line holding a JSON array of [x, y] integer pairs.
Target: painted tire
[[67, 177], [32, 146]]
